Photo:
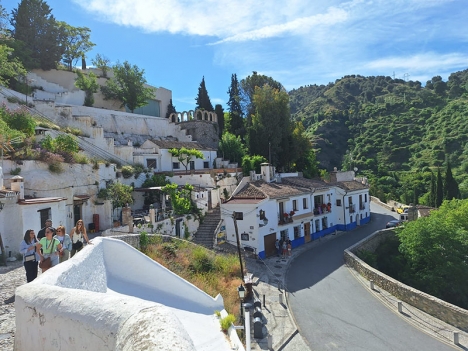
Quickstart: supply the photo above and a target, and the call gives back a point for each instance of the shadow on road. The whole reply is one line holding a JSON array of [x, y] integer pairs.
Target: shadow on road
[[327, 257]]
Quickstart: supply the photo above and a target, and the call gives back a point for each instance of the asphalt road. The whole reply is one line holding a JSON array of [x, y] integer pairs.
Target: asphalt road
[[335, 312]]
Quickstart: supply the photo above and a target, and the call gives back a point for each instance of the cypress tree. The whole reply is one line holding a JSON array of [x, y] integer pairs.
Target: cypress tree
[[235, 109], [170, 109], [451, 190], [440, 190], [432, 194], [220, 114], [203, 100]]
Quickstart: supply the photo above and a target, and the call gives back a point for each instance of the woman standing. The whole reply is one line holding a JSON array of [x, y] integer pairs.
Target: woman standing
[[65, 240], [77, 234], [30, 256], [50, 248]]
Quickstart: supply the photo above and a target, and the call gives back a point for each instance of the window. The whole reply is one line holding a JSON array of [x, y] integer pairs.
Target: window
[[206, 164], [245, 237], [262, 215], [318, 201], [350, 200], [150, 163], [324, 223], [338, 202], [284, 235], [297, 232], [365, 197], [294, 205], [304, 203], [192, 165], [175, 165], [317, 225]]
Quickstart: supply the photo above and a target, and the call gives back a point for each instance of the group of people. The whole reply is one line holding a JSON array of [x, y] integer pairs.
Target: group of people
[[283, 247], [52, 244]]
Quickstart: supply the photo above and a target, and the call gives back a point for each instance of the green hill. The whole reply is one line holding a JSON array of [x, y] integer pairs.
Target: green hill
[[382, 125]]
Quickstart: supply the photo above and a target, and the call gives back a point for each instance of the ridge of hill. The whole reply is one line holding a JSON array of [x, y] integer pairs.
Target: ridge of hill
[[380, 124]]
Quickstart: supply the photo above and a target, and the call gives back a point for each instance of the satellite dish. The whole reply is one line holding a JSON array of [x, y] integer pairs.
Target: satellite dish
[[355, 169]]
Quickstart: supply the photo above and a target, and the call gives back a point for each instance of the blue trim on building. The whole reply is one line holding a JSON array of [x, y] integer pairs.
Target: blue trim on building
[[314, 236]]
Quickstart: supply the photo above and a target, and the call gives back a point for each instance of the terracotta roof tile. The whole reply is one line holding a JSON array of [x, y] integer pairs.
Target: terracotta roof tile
[[261, 189], [169, 144]]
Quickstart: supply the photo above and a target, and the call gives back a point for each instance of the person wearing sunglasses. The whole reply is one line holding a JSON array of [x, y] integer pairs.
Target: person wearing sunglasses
[[66, 242], [51, 248]]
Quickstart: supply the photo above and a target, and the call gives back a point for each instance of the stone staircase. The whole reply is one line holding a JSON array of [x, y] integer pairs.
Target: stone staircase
[[205, 234]]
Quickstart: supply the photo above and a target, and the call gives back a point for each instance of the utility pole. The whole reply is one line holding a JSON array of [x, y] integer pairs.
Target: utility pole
[[234, 217]]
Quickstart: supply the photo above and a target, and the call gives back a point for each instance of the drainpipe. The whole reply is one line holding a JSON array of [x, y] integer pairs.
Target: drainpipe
[[344, 209]]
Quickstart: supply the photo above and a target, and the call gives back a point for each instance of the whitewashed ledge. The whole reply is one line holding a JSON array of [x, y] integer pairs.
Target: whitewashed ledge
[[112, 297]]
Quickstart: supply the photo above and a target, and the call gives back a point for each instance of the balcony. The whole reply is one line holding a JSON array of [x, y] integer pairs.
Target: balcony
[[362, 206], [352, 208]]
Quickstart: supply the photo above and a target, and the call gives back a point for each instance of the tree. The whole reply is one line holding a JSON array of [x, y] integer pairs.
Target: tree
[[269, 133], [102, 63], [435, 248], [185, 155], [76, 43], [440, 190], [170, 109], [87, 83], [247, 92], [231, 147], [128, 86], [220, 115], [20, 120], [10, 66], [235, 109], [252, 163], [451, 190], [180, 199], [433, 191], [202, 99], [120, 194], [37, 35]]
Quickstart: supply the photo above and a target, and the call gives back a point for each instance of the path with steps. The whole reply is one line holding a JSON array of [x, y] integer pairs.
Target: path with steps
[[205, 234]]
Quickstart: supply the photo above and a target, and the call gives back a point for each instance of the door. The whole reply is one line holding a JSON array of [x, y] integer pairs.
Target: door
[[76, 213], [210, 204], [269, 243], [307, 232], [177, 228]]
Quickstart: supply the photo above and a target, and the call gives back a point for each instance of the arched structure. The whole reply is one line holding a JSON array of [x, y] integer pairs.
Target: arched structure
[[198, 114]]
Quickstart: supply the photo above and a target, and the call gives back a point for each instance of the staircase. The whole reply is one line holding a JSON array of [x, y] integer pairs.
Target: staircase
[[205, 234]]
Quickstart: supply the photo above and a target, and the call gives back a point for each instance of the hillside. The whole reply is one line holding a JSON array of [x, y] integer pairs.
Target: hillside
[[379, 124]]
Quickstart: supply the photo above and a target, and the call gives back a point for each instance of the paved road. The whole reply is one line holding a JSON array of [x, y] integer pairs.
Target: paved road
[[335, 312]]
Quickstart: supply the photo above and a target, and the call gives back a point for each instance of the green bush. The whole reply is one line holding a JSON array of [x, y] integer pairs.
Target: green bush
[[227, 321], [127, 171], [144, 240]]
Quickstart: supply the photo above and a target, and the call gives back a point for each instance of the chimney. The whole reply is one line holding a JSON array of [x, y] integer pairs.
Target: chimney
[[333, 175], [265, 169], [17, 184]]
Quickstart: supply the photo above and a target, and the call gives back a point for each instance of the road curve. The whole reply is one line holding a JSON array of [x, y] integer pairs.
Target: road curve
[[335, 312]]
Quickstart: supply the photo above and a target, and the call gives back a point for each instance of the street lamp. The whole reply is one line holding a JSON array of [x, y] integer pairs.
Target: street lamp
[[241, 292]]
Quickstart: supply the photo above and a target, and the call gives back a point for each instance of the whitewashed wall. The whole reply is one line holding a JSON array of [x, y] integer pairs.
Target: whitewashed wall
[[133, 312]]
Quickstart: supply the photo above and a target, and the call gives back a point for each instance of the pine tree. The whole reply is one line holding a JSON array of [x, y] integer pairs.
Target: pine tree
[[38, 35], [203, 100], [451, 190], [440, 190], [235, 109], [170, 109], [220, 114]]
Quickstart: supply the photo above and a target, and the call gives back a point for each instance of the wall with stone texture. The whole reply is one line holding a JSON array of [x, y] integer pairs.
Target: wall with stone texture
[[438, 308], [206, 133]]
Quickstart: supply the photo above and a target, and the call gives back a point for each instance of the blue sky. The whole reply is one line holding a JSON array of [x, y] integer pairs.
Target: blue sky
[[297, 42]]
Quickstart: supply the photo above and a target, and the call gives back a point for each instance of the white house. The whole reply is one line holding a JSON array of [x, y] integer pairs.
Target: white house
[[155, 154], [293, 208]]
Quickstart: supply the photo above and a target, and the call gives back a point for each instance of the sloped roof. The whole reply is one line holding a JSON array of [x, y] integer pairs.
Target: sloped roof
[[351, 185], [169, 144], [262, 190], [311, 184]]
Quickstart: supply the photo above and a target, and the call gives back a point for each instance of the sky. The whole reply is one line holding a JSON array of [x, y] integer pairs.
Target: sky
[[296, 42]]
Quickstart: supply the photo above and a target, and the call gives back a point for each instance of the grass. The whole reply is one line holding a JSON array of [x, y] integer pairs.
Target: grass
[[211, 272]]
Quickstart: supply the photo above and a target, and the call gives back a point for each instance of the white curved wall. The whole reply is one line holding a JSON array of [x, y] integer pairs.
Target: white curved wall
[[112, 297]]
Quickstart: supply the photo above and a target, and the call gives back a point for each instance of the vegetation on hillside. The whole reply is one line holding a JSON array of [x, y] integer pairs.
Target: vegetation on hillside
[[212, 273], [389, 128], [430, 254]]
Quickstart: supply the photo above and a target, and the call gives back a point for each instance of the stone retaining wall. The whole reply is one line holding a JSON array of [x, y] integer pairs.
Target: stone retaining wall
[[451, 314]]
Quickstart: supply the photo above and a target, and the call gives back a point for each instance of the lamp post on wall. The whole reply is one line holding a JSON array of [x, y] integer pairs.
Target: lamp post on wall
[[241, 292]]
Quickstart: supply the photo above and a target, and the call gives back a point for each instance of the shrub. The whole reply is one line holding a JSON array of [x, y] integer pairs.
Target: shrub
[[227, 321], [144, 240], [127, 171], [15, 171]]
